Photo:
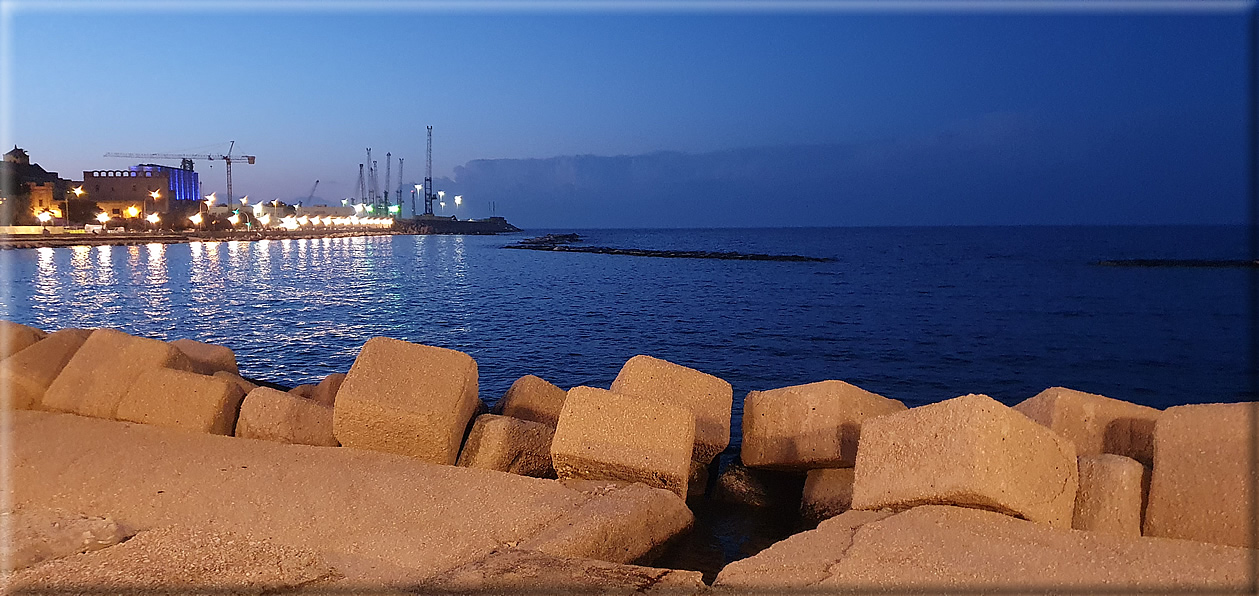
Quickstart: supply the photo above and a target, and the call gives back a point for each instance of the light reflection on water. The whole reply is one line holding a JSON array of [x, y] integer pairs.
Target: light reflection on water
[[914, 314]]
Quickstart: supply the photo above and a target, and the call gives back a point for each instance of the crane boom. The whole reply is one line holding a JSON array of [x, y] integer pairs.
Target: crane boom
[[227, 158]]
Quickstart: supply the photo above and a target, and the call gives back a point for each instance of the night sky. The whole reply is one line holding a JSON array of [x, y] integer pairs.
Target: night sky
[[735, 116]]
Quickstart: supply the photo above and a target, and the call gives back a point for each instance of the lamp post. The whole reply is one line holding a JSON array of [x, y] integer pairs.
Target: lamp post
[[104, 219], [78, 194], [155, 194], [441, 200], [43, 218], [458, 202]]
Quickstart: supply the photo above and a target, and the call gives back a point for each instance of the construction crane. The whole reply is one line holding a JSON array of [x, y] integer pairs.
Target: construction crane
[[428, 176], [187, 158], [312, 192]]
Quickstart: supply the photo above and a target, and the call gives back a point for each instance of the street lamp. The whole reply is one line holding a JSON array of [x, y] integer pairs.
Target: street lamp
[[103, 218], [458, 202], [78, 194], [43, 217], [155, 195], [196, 219]]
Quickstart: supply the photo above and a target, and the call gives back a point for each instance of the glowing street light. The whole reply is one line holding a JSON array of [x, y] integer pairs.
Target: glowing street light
[[458, 200], [153, 218], [102, 217], [133, 211], [44, 216], [235, 219], [79, 192], [244, 200], [195, 219]]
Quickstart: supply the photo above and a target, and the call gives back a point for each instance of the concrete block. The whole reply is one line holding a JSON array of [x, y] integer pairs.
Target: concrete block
[[1111, 495], [827, 493], [969, 451], [625, 524], [15, 337], [608, 436], [207, 359], [804, 427], [326, 391], [1095, 423], [759, 487], [408, 399], [1204, 475], [532, 398], [273, 415], [697, 479], [26, 375], [245, 386], [104, 368], [512, 571], [708, 398], [184, 400], [952, 550], [306, 391], [509, 445]]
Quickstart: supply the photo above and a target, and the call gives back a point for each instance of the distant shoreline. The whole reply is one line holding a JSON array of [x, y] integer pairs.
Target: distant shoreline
[[20, 241]]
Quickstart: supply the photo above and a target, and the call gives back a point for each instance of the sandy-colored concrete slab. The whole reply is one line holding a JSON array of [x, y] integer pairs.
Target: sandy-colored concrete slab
[[709, 398], [408, 399], [1204, 479], [272, 415], [809, 426], [1095, 423], [182, 399], [970, 451], [1111, 497], [174, 560], [943, 549], [15, 337], [532, 398], [104, 368], [379, 519], [608, 436], [509, 445], [35, 534], [513, 571], [26, 375], [207, 358], [622, 524], [245, 386]]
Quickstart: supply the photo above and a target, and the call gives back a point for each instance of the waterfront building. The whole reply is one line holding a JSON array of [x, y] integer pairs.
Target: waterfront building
[[116, 191], [42, 190]]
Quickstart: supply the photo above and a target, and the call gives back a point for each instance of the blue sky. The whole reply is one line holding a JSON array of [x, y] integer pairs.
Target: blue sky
[[306, 91]]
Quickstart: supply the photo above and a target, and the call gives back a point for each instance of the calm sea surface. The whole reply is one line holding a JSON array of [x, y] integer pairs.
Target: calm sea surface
[[917, 314]]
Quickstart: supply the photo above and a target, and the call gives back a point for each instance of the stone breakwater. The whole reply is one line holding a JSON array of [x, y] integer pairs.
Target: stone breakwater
[[141, 465], [564, 243]]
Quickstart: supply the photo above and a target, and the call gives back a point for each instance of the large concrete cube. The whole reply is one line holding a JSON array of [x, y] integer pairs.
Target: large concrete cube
[[15, 337], [608, 436], [827, 493], [239, 381], [707, 397], [104, 368], [272, 415], [1111, 495], [26, 375], [969, 451], [810, 426], [408, 399], [1095, 423], [1204, 480], [532, 398], [326, 391], [207, 359], [184, 400], [509, 444]]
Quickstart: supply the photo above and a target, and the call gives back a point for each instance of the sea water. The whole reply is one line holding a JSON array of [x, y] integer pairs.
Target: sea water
[[916, 314]]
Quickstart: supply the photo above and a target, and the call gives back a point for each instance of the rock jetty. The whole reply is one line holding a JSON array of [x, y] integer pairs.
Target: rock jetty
[[564, 243], [145, 466]]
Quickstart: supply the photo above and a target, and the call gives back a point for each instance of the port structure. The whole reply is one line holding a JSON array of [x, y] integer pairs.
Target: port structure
[[186, 161], [428, 176]]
